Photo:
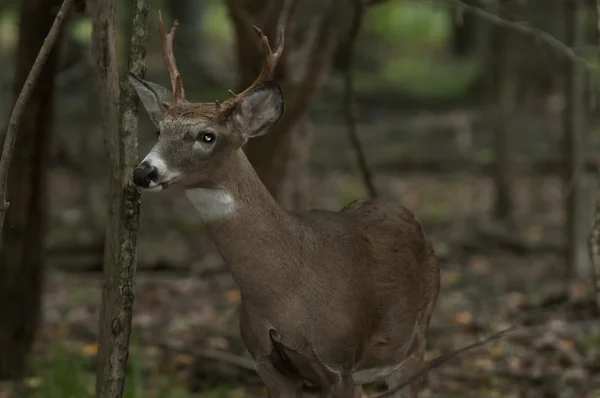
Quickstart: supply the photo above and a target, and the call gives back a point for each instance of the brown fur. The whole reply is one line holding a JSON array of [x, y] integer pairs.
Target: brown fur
[[335, 299]]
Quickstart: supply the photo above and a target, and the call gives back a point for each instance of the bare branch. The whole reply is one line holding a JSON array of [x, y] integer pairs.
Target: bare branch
[[319, 57], [518, 26], [440, 360], [350, 99], [22, 99], [370, 3]]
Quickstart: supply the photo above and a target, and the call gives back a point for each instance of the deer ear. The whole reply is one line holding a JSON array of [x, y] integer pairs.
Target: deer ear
[[260, 109], [152, 96]]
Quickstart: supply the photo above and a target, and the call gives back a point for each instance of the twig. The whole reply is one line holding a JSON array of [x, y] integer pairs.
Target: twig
[[319, 59], [350, 99], [370, 3], [519, 26], [22, 99], [216, 355], [446, 357]]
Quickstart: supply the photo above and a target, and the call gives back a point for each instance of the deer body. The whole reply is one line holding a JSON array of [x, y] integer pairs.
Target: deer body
[[336, 299]]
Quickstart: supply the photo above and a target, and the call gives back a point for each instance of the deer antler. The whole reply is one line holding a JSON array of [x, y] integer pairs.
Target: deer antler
[[271, 60], [169, 58]]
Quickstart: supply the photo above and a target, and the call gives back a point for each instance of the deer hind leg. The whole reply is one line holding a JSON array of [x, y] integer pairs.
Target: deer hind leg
[[412, 365], [278, 385]]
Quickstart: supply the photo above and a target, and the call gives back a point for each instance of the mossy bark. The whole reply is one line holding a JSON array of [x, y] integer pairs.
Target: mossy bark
[[120, 111]]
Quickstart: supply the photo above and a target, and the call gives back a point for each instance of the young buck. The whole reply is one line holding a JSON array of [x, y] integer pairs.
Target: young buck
[[332, 299]]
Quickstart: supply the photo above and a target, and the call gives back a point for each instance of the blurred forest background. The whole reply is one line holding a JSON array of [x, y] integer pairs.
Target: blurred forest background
[[488, 132]]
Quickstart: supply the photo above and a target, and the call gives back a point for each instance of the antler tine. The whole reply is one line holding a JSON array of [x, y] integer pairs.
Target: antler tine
[[271, 60], [169, 58]]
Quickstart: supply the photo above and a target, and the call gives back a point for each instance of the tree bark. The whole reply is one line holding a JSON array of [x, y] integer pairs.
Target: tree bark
[[504, 56], [22, 252], [121, 126], [281, 157], [574, 140], [594, 238], [464, 31]]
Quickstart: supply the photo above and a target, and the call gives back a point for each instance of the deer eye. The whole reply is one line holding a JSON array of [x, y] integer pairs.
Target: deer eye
[[209, 138], [157, 134]]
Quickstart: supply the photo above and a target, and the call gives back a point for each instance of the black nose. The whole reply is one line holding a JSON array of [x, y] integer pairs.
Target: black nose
[[144, 174]]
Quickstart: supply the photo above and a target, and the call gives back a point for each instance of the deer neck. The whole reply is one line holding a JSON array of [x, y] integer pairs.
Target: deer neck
[[245, 222]]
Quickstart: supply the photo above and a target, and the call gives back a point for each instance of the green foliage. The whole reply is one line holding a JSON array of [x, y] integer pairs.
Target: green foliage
[[9, 29], [66, 374], [408, 42], [349, 191], [216, 22], [423, 77], [409, 25], [80, 30]]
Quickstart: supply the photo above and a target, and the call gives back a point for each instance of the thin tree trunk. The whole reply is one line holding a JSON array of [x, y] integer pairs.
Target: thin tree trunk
[[281, 157], [594, 238], [22, 254], [464, 31], [574, 133], [124, 198], [504, 58]]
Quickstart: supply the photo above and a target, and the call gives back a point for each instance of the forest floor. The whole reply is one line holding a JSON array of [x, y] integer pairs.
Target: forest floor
[[186, 306]]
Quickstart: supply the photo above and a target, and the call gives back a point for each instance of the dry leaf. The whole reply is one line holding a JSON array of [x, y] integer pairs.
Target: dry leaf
[[463, 318], [496, 351], [534, 233], [480, 264], [484, 364], [566, 345], [184, 359], [577, 289], [233, 296], [450, 277], [515, 364], [217, 342], [90, 349], [33, 382], [516, 299]]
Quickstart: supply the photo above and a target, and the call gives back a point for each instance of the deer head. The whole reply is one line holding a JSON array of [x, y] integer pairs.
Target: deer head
[[195, 139]]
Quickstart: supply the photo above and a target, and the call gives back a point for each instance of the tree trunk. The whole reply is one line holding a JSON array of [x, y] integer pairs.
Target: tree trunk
[[574, 140], [464, 31], [120, 113], [189, 41], [504, 56], [22, 254], [281, 157]]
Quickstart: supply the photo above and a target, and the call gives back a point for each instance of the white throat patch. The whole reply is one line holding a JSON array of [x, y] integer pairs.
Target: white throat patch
[[212, 204]]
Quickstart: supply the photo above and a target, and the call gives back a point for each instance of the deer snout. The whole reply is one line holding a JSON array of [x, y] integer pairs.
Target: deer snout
[[145, 175]]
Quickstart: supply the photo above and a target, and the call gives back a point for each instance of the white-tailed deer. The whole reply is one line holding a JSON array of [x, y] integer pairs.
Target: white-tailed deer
[[335, 299]]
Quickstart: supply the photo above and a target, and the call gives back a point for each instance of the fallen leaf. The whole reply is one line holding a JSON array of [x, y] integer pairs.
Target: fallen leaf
[[450, 277], [33, 382], [516, 299], [220, 343], [496, 351], [233, 296], [515, 364], [566, 345], [484, 363], [463, 318], [578, 290], [90, 349], [183, 359], [480, 265]]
